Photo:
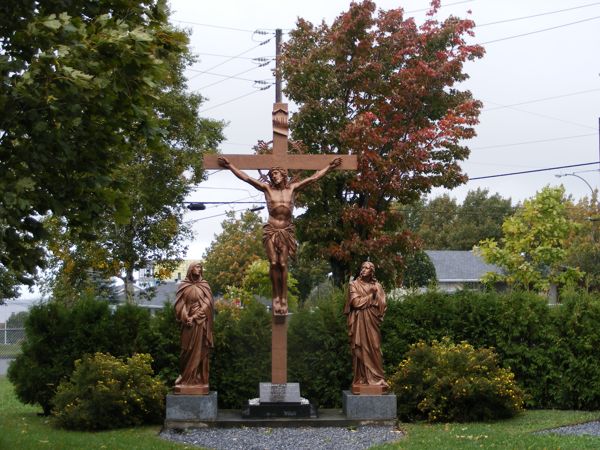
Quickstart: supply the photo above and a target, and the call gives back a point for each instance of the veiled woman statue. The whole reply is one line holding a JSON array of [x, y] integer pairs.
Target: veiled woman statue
[[194, 310], [365, 308]]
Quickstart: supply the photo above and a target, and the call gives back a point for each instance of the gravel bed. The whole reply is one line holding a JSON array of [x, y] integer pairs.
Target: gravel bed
[[588, 428], [260, 438]]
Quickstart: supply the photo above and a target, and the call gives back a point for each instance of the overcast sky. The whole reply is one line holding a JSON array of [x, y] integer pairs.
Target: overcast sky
[[540, 91]]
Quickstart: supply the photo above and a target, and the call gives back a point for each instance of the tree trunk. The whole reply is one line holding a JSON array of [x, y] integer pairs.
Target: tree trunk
[[129, 286]]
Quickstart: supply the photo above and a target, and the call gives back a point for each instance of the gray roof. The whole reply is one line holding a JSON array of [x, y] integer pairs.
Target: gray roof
[[459, 265], [165, 292]]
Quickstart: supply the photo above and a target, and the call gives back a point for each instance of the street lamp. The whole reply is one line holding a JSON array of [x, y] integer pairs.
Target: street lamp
[[560, 175]]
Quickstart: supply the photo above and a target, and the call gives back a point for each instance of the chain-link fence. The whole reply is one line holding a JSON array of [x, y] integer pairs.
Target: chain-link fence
[[10, 341]]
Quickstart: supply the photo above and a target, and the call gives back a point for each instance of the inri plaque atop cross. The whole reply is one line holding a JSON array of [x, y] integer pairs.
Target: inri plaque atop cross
[[278, 233]]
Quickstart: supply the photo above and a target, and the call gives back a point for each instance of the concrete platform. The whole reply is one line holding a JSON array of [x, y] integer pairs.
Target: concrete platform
[[180, 407], [233, 418], [369, 407]]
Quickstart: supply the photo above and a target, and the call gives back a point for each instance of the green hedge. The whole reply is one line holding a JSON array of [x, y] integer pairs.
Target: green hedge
[[519, 326], [57, 336], [319, 352], [242, 355], [551, 350]]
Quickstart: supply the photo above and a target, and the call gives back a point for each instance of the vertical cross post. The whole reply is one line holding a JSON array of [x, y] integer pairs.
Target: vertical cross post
[[280, 158]]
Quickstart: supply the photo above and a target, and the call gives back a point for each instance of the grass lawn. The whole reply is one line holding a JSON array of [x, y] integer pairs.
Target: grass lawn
[[516, 433], [21, 428]]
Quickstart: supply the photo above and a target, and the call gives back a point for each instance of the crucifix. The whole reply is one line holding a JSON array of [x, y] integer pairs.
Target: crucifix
[[278, 234]]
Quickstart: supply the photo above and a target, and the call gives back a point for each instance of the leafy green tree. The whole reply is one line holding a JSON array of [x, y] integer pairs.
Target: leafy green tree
[[90, 91], [309, 269], [583, 244], [436, 221], [419, 271], [480, 216], [377, 85], [532, 249], [444, 224], [233, 250], [17, 320], [257, 282]]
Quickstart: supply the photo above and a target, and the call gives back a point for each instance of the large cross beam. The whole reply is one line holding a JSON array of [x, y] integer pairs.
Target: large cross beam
[[280, 158]]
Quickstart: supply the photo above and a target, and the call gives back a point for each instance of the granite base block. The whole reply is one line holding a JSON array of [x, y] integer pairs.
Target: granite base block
[[368, 407], [191, 407], [273, 410]]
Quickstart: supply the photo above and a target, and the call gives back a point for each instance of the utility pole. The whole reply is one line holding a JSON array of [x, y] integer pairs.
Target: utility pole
[[277, 73]]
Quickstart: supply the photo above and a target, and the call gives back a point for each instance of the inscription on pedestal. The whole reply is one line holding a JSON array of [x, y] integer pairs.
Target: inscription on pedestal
[[279, 393]]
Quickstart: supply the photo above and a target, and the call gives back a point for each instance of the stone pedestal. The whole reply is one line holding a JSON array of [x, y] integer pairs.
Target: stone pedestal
[[199, 389], [184, 408], [278, 400], [368, 389], [369, 407]]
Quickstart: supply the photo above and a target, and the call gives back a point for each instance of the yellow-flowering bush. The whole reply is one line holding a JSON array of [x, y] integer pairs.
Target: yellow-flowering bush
[[447, 382], [106, 392]]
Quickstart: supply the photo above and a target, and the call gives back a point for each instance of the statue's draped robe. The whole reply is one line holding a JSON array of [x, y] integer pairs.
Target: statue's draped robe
[[194, 299], [365, 314]]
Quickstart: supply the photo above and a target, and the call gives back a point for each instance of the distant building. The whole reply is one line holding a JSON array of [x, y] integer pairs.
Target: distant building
[[152, 297], [459, 269], [150, 275]]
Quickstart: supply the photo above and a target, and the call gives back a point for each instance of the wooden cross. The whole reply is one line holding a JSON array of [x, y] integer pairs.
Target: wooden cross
[[280, 158]]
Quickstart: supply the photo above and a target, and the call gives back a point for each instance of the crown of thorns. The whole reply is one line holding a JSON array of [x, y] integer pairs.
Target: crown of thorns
[[278, 169]]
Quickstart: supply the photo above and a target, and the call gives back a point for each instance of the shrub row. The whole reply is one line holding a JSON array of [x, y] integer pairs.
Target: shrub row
[[551, 350]]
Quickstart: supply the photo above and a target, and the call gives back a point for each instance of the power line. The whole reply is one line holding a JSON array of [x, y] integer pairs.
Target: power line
[[545, 116], [441, 6], [257, 59], [535, 142], [554, 97], [235, 76], [223, 75], [189, 222], [233, 57], [539, 31], [222, 27], [533, 171], [537, 15], [237, 98]]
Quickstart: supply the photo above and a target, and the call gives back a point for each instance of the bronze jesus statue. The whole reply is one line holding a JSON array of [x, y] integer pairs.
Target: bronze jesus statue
[[279, 237], [365, 308]]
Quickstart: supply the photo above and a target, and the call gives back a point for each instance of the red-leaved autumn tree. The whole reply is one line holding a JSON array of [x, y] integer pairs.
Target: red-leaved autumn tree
[[378, 85]]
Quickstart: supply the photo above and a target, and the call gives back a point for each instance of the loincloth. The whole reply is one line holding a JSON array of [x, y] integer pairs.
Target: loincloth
[[281, 238]]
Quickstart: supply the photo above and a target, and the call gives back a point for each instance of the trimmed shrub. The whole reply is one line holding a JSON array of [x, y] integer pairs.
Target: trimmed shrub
[[319, 351], [58, 335], [162, 340], [446, 382], [106, 392], [576, 355], [242, 355], [518, 326]]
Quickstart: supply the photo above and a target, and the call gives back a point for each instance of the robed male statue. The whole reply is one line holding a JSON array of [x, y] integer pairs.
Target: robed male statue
[[365, 308]]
